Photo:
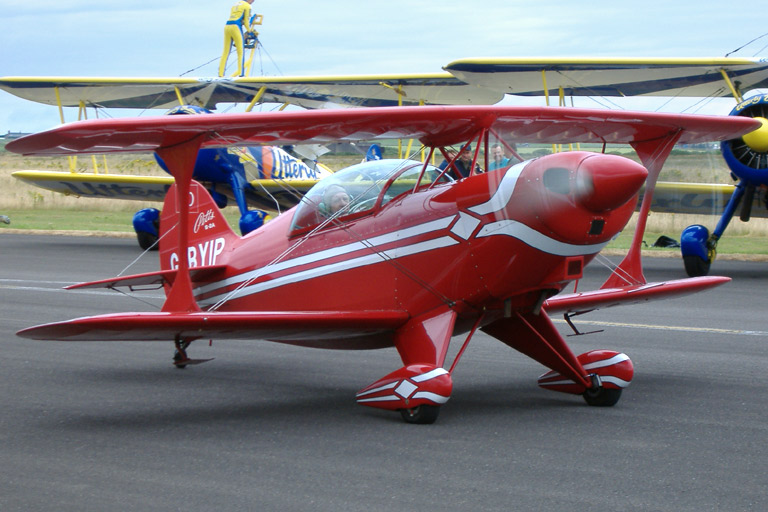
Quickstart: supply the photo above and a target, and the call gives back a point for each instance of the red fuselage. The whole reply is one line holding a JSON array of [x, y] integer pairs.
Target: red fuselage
[[502, 240]]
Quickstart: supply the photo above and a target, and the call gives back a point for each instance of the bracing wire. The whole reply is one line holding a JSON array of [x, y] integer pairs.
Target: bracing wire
[[358, 237], [747, 44]]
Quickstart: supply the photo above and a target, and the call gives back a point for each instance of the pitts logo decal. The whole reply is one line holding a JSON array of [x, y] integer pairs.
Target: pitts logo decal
[[205, 221], [201, 255]]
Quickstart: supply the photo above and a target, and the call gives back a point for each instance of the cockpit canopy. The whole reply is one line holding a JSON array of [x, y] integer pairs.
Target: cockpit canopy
[[359, 189]]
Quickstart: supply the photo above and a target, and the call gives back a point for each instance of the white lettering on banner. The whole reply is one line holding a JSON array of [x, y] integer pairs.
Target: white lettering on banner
[[201, 255], [204, 221]]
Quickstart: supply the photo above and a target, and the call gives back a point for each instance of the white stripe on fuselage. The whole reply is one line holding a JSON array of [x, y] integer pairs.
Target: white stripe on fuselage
[[421, 229], [503, 194], [362, 261], [536, 239]]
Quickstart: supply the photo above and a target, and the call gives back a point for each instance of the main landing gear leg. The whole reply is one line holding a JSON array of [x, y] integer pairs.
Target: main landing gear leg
[[698, 247], [597, 375], [422, 385]]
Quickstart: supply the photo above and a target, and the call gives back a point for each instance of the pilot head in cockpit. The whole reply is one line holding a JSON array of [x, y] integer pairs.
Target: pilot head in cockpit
[[335, 198]]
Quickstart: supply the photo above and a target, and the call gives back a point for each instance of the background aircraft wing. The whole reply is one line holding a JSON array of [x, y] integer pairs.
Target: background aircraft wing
[[308, 92], [265, 193], [434, 126], [698, 199], [696, 77], [111, 186]]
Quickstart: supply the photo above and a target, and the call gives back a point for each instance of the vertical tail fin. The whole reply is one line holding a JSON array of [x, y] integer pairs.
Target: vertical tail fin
[[209, 234]]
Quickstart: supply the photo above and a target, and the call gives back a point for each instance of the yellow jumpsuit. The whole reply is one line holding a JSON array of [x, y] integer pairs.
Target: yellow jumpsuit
[[233, 33]]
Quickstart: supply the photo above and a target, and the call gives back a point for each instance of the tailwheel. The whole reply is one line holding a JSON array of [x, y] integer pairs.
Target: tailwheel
[[180, 357], [421, 414]]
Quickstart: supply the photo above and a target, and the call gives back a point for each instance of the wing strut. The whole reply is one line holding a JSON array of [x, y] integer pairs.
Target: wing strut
[[652, 154], [736, 94], [180, 160]]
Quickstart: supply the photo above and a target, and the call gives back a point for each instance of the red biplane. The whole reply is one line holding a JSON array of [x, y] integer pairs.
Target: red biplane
[[396, 253]]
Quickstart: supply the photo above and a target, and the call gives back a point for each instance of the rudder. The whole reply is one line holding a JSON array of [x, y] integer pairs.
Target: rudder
[[209, 237]]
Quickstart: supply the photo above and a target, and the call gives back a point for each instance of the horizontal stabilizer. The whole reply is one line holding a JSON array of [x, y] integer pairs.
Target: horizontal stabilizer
[[289, 326], [609, 297], [149, 280]]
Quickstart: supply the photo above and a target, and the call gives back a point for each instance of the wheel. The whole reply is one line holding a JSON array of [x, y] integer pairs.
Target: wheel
[[147, 240], [602, 397], [695, 266], [178, 357], [421, 414], [699, 249], [146, 224]]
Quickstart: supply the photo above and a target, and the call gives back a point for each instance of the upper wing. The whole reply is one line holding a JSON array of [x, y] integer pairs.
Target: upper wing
[[433, 125], [471, 81], [309, 92], [697, 77]]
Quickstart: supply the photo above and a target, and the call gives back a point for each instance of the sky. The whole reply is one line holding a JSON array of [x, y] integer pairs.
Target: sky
[[150, 38]]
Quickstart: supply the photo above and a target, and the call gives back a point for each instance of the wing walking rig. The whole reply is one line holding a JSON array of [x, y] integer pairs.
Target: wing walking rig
[[394, 253], [277, 180], [469, 81]]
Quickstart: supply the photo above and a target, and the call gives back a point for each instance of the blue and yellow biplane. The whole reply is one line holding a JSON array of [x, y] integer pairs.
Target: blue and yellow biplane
[[487, 81], [263, 176]]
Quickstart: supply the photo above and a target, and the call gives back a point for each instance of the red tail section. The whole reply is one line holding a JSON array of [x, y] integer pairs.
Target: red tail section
[[210, 237]]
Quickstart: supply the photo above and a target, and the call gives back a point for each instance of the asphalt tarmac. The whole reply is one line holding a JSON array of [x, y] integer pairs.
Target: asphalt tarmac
[[114, 426]]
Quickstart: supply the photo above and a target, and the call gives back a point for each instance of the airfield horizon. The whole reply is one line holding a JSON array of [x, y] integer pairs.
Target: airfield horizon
[[33, 210]]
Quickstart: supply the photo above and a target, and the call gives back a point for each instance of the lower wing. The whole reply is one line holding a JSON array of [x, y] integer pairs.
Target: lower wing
[[575, 303], [311, 328]]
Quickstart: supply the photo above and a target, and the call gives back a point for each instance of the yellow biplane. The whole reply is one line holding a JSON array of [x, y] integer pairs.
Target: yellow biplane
[[265, 177], [484, 81]]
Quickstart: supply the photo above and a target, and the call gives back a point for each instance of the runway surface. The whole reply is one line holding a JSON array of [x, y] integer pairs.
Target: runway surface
[[113, 426]]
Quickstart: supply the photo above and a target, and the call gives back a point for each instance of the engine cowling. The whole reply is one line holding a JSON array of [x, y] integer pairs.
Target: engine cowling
[[747, 157]]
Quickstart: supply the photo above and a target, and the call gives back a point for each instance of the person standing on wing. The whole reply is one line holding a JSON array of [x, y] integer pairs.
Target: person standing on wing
[[239, 21]]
